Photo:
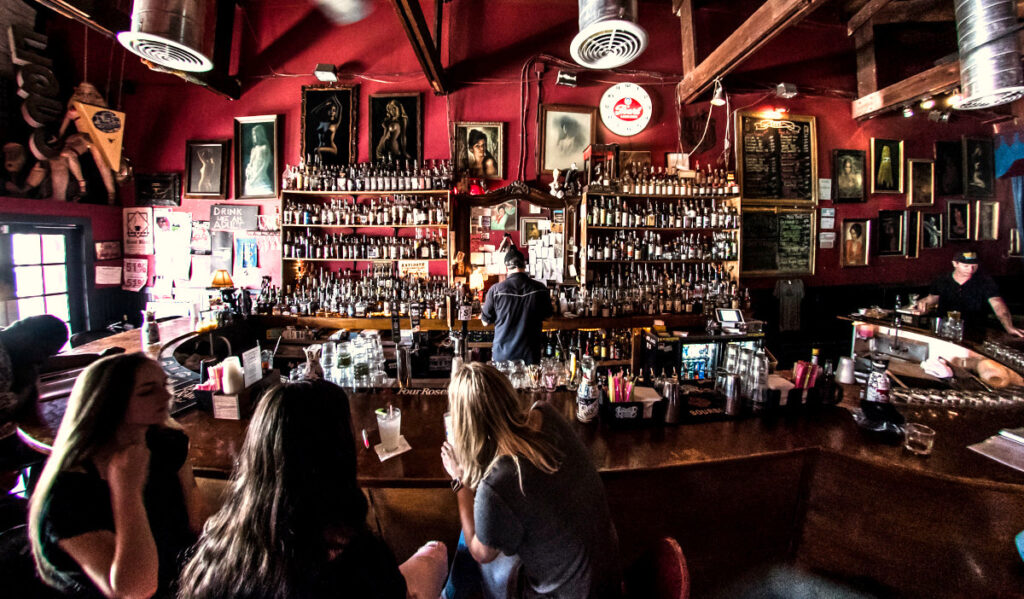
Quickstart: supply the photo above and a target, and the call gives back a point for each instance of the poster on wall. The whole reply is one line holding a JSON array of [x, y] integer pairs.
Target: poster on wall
[[171, 239], [222, 250], [138, 231], [136, 273]]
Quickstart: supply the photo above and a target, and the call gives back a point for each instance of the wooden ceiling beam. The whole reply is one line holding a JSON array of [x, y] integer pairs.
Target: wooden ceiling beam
[[685, 13], [935, 80], [768, 21], [867, 70], [410, 14], [864, 15], [916, 11]]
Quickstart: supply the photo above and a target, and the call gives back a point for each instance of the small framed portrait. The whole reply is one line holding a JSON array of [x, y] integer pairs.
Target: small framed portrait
[[256, 155], [503, 216], [1014, 250], [329, 124], [891, 238], [565, 131], [157, 189], [673, 162], [979, 168], [958, 215], [886, 165], [931, 230], [856, 233], [920, 182], [633, 161], [529, 229], [108, 250], [480, 149], [848, 176], [987, 221], [396, 126], [913, 243], [206, 168], [949, 168]]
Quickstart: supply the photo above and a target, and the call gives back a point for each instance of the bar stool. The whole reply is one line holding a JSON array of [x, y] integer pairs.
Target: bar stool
[[661, 573]]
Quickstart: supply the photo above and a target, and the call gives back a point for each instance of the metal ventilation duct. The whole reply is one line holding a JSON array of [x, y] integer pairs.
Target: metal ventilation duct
[[609, 36], [990, 69], [171, 33]]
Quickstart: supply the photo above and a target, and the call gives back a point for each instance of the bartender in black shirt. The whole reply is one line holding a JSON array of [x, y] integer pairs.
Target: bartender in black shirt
[[517, 308], [970, 294]]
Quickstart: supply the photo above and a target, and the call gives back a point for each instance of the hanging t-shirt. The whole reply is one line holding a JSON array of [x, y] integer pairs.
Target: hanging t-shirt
[[790, 293]]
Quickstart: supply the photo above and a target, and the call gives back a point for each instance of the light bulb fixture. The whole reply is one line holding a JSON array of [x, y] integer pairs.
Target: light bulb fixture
[[786, 90], [718, 97], [927, 104], [326, 73], [955, 99], [781, 110], [566, 78], [908, 111]]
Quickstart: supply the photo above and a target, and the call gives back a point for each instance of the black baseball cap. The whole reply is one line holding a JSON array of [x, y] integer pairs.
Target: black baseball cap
[[966, 257]]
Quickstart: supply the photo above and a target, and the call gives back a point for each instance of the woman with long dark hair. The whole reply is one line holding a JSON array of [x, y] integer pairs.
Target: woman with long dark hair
[[293, 524], [116, 504], [535, 519]]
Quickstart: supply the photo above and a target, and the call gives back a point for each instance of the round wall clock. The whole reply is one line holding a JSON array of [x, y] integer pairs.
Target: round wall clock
[[626, 109]]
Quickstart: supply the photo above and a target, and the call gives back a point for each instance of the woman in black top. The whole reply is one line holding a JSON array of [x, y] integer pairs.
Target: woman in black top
[[293, 524], [116, 504]]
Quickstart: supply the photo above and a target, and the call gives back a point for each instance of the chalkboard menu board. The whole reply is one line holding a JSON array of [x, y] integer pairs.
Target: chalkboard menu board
[[778, 158], [777, 242], [231, 217]]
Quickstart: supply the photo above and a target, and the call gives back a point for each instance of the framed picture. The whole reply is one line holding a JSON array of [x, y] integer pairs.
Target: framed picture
[[529, 229], [673, 162], [1014, 242], [891, 238], [157, 189], [848, 175], [949, 168], [856, 233], [987, 226], [633, 161], [206, 168], [958, 215], [920, 182], [913, 229], [931, 230], [886, 165], [329, 124], [396, 126], [503, 216], [480, 149], [979, 168], [108, 250], [565, 131], [256, 155]]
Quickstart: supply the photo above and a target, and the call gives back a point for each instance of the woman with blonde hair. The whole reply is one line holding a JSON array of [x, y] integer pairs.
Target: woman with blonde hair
[[534, 515], [116, 504]]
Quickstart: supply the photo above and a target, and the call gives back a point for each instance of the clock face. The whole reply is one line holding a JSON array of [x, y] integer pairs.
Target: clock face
[[626, 109]]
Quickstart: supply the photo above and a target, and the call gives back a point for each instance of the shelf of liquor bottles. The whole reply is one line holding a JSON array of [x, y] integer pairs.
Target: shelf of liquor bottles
[[333, 320], [374, 260]]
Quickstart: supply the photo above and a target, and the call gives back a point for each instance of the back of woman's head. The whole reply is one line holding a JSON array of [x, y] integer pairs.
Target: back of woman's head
[[95, 411], [295, 481], [490, 422]]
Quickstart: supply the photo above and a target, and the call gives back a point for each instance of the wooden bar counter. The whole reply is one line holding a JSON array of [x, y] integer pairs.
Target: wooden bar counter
[[808, 488]]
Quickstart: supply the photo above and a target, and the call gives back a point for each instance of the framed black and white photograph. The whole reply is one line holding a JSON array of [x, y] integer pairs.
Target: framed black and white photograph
[[480, 149], [913, 228], [920, 182], [949, 168], [329, 124], [256, 156], [958, 217], [206, 168], [157, 189], [891, 234], [987, 220], [931, 230], [886, 165], [108, 250], [396, 126], [565, 131], [848, 175], [979, 168]]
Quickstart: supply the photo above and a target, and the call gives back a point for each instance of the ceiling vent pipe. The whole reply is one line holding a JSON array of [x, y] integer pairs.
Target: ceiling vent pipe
[[990, 69], [609, 36], [171, 33]]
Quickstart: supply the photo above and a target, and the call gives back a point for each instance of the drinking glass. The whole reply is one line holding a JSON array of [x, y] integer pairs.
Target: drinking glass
[[533, 371], [550, 375], [919, 439], [389, 422]]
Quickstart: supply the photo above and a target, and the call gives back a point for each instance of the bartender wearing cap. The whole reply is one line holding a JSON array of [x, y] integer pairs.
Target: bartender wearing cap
[[969, 293], [517, 308]]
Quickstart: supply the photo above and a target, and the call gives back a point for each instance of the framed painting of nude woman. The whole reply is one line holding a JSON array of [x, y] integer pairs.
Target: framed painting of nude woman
[[206, 168], [396, 127], [329, 124]]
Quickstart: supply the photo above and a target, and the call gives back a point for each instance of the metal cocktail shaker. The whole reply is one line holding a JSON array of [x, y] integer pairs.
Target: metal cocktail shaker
[[670, 393]]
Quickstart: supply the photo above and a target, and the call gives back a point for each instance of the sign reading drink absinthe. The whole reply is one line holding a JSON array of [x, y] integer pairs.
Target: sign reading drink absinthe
[[626, 109]]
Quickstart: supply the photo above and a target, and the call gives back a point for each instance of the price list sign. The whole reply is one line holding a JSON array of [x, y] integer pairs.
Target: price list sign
[[778, 158], [778, 242]]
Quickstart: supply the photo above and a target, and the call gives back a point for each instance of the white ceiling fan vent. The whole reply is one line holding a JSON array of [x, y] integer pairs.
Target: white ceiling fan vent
[[171, 34], [609, 36], [990, 69]]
